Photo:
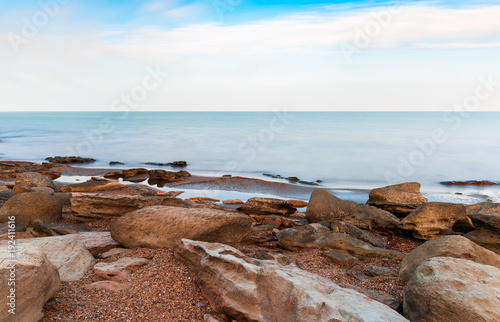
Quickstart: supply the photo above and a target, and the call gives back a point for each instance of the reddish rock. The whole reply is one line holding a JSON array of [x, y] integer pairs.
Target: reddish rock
[[119, 270], [400, 199], [325, 206], [267, 206], [96, 242], [233, 202]]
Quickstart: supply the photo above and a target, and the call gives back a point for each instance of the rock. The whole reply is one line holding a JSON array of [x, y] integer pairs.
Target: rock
[[116, 163], [162, 177], [114, 251], [325, 206], [38, 229], [400, 199], [108, 286], [96, 242], [21, 235], [179, 164], [353, 231], [276, 221], [36, 281], [379, 296], [452, 289], [298, 203], [46, 190], [210, 318], [21, 188], [70, 257], [3, 187], [11, 226], [267, 206], [433, 219], [488, 238], [162, 227], [259, 234], [447, 246], [119, 270], [464, 225], [470, 183], [340, 258], [92, 186], [275, 289], [369, 217], [99, 207], [66, 229], [9, 169], [381, 271], [485, 215], [30, 206], [233, 202], [69, 159], [318, 236], [34, 179]]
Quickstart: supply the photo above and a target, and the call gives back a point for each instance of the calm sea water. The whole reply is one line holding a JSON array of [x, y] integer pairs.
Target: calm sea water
[[344, 150]]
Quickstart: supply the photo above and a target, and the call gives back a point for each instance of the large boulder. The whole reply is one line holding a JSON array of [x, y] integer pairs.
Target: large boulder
[[275, 289], [488, 238], [400, 199], [369, 217], [325, 206], [71, 257], [31, 206], [267, 206], [452, 289], [433, 219], [27, 283], [100, 207], [447, 246], [34, 179], [319, 236], [162, 227]]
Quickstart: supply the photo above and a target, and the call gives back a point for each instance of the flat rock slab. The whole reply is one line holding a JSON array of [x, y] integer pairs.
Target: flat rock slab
[[119, 270], [267, 206], [114, 251], [96, 242], [274, 289], [100, 207]]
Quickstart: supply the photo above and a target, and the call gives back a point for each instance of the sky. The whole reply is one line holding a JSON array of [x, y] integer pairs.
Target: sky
[[244, 55]]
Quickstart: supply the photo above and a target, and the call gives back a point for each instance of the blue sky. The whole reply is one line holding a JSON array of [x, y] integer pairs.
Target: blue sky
[[248, 55]]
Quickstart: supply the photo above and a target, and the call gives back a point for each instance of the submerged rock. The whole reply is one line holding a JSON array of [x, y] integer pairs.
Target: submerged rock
[[70, 159], [273, 289], [400, 199]]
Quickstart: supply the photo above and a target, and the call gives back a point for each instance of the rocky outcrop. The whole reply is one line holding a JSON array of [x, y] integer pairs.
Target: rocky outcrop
[[96, 242], [71, 257], [274, 289], [319, 236], [119, 270], [353, 231], [267, 206], [325, 206], [488, 238], [433, 219], [34, 179], [92, 186], [31, 206], [486, 219], [10, 169], [447, 246], [400, 199], [162, 227], [369, 217], [36, 280], [452, 289], [99, 207], [69, 159]]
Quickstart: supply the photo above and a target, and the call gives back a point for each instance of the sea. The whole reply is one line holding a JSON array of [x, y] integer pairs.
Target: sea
[[348, 153]]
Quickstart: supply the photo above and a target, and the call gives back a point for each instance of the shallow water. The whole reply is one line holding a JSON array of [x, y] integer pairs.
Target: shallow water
[[347, 151]]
